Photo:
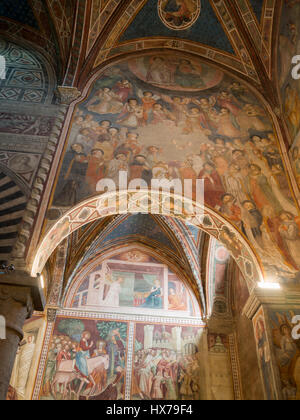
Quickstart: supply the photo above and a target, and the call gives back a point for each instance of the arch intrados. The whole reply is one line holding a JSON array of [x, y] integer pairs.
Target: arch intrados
[[202, 217]]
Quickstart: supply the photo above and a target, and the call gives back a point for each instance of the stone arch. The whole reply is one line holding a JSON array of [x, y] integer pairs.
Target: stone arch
[[144, 201]]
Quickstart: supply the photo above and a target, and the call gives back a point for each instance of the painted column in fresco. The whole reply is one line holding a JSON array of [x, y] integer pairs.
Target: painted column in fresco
[[16, 306], [265, 354]]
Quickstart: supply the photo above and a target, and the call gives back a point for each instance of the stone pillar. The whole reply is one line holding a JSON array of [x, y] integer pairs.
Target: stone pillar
[[16, 306], [257, 310], [20, 294]]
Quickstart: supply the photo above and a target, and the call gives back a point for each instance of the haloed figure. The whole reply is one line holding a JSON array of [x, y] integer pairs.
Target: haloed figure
[[179, 12]]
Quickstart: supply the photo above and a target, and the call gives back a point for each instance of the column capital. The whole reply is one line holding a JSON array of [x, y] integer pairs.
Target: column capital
[[284, 296], [20, 280], [16, 305], [51, 314], [67, 95]]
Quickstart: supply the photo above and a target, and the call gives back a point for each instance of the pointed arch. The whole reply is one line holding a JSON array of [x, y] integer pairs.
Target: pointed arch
[[145, 201]]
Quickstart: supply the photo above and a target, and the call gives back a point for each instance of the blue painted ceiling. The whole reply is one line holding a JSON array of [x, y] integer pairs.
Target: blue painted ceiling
[[129, 226], [257, 6], [142, 225], [207, 30], [18, 10]]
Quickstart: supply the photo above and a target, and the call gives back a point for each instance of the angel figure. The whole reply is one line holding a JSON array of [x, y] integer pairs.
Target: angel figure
[[179, 107], [148, 101], [108, 102], [132, 114], [162, 115], [196, 121]]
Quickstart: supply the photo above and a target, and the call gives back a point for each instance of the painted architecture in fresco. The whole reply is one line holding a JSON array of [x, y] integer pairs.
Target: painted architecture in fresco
[[88, 359], [166, 363], [116, 356]]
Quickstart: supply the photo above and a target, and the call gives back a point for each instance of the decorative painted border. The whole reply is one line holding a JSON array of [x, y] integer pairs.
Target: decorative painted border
[[235, 366], [98, 207], [43, 360], [195, 17]]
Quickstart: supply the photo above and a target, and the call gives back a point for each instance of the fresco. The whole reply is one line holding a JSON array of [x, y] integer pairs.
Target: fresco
[[287, 351], [289, 46], [161, 119], [179, 14], [264, 355], [132, 281], [175, 74], [86, 360], [241, 293], [295, 159], [221, 368], [166, 363]]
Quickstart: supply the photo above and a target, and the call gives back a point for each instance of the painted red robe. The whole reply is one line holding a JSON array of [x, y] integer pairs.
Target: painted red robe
[[95, 172], [213, 188]]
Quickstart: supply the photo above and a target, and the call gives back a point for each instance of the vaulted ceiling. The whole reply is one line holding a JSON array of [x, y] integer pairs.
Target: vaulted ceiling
[[80, 35], [180, 243]]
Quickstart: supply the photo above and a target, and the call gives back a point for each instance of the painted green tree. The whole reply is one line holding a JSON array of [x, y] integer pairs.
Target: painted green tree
[[105, 328], [72, 327]]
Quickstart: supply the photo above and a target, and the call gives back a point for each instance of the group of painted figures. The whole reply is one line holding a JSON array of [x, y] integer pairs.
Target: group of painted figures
[[223, 138], [158, 373], [64, 348], [163, 374]]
